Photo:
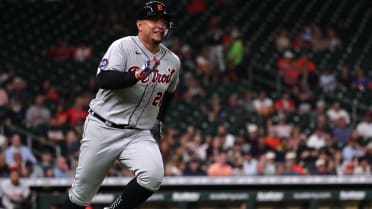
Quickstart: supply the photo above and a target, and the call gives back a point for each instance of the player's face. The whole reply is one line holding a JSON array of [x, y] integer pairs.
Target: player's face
[[154, 28]]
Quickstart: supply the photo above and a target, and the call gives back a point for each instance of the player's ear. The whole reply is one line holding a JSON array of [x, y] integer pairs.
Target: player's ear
[[139, 25]]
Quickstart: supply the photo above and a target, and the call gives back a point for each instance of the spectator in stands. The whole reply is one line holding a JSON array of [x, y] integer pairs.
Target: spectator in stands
[[4, 168], [31, 171], [368, 152], [282, 129], [49, 91], [187, 58], [61, 168], [282, 40], [73, 142], [305, 63], [193, 168], [332, 40], [263, 104], [288, 68], [320, 168], [342, 131], [37, 114], [270, 167], [363, 167], [235, 108], [198, 146], [247, 101], [318, 42], [348, 168], [336, 111], [91, 86], [77, 112], [235, 53], [235, 153], [192, 90], [317, 140], [352, 149], [238, 168], [361, 81], [49, 172], [220, 167], [228, 139], [214, 149], [260, 147], [327, 80], [272, 140], [364, 127], [307, 36], [215, 111], [82, 52], [172, 169], [17, 90], [55, 131], [14, 113], [214, 42], [291, 166], [249, 164], [60, 114], [61, 51], [196, 7], [204, 65], [4, 99], [16, 194], [46, 160], [323, 123], [16, 146], [344, 78], [18, 162], [285, 104], [7, 77]]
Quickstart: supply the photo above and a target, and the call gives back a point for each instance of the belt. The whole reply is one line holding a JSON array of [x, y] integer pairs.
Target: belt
[[111, 124]]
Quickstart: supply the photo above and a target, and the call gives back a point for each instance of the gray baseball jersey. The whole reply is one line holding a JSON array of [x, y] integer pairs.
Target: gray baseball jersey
[[137, 105]]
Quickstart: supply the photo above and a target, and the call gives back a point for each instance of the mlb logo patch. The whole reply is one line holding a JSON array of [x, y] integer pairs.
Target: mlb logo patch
[[103, 63]]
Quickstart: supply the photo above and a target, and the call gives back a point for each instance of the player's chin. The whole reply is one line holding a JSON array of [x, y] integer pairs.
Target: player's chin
[[157, 38]]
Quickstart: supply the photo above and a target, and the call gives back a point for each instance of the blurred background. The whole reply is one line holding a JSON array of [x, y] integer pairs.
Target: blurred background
[[269, 90]]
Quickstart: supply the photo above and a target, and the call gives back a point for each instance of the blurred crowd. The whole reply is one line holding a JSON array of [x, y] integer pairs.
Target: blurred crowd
[[295, 131]]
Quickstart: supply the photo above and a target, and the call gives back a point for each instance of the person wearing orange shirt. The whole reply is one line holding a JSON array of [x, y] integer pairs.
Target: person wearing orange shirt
[[220, 167]]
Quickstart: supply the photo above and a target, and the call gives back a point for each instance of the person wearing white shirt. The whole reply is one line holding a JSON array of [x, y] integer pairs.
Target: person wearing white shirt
[[336, 112], [15, 193], [364, 128], [317, 140]]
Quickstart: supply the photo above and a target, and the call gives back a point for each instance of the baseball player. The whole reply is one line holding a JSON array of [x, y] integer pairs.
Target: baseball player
[[137, 78]]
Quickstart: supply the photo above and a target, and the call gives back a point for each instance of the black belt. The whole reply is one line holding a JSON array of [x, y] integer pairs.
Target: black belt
[[111, 124]]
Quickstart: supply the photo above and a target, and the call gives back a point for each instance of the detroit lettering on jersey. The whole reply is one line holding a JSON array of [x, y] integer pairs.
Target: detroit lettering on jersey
[[137, 105], [156, 76]]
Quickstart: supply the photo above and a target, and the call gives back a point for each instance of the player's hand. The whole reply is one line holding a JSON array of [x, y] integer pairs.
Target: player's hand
[[150, 66], [157, 131]]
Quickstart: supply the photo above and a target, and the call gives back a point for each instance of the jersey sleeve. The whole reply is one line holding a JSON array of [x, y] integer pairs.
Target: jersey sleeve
[[115, 57], [175, 79]]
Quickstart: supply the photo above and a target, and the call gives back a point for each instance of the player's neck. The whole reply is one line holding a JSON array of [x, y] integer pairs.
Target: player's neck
[[149, 45]]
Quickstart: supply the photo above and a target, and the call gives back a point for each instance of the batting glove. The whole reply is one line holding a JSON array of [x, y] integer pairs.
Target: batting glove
[[150, 66]]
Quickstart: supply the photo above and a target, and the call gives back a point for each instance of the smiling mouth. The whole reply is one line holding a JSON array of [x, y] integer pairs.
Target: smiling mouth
[[159, 33]]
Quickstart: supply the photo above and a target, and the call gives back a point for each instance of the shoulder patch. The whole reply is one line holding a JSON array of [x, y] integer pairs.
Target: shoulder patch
[[103, 63]]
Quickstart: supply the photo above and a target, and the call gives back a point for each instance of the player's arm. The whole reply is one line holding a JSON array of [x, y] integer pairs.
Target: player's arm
[[167, 99], [113, 79]]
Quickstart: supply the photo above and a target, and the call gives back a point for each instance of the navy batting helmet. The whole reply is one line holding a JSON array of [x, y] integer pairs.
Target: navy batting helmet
[[153, 8]]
